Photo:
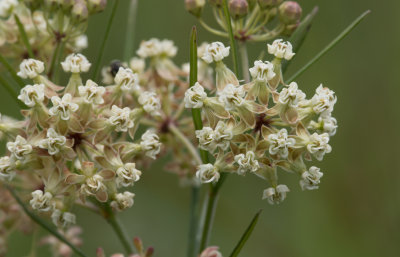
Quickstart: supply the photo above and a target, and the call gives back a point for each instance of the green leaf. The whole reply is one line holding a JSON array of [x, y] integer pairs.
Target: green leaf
[[104, 41], [44, 224], [332, 44], [130, 30], [24, 37], [300, 35], [11, 70], [231, 38], [246, 235]]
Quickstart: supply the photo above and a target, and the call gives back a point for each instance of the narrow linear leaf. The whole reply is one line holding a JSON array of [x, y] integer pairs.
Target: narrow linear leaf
[[11, 91], [231, 38], [104, 41], [11, 70], [130, 30], [332, 44], [246, 235], [300, 34], [24, 37], [43, 224]]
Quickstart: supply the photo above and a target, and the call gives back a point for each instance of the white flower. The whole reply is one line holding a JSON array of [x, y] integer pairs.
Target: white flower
[[137, 65], [231, 96], [150, 143], [167, 48], [63, 106], [281, 49], [325, 124], [63, 219], [93, 185], [42, 202], [211, 251], [206, 139], [19, 148], [123, 201], [280, 142], [207, 173], [195, 96], [323, 101], [81, 42], [121, 118], [127, 175], [126, 79], [215, 52], [76, 63], [262, 71], [311, 178], [6, 172], [31, 95], [275, 195], [318, 145], [30, 68], [6, 7], [247, 163], [53, 143], [291, 95], [92, 93], [151, 104], [149, 48], [222, 135]]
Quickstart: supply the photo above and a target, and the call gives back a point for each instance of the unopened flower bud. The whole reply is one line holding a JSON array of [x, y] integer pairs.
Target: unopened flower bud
[[80, 11], [268, 4], [290, 12], [238, 8], [195, 7], [95, 6]]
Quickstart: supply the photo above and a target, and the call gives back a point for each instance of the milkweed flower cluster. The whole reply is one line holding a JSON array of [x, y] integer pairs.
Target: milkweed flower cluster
[[78, 142], [45, 23], [257, 127]]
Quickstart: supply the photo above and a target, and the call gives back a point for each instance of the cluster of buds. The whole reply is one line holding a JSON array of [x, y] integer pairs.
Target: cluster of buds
[[251, 19], [257, 128], [78, 144], [45, 22]]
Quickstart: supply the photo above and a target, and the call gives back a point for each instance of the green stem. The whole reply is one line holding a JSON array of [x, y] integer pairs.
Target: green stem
[[193, 244], [244, 61], [231, 37], [130, 30], [43, 224], [186, 142], [24, 37], [54, 59], [11, 70], [212, 30], [104, 41], [117, 227], [332, 44]]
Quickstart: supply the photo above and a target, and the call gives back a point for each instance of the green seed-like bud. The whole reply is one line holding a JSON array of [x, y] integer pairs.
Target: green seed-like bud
[[268, 4], [238, 8], [95, 6], [290, 12], [80, 11], [195, 7], [216, 3]]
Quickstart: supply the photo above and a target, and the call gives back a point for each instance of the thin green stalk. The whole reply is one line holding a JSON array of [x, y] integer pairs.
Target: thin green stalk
[[104, 41], [11, 70], [117, 227], [244, 61], [212, 30], [194, 239], [24, 37], [300, 34], [54, 59], [231, 37], [192, 150], [11, 91], [246, 235], [44, 224], [332, 44], [130, 30]]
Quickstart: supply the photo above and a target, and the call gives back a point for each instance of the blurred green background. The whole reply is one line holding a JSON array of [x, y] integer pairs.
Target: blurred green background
[[356, 211]]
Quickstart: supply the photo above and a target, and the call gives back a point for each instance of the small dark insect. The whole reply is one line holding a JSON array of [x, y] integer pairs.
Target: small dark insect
[[114, 67]]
